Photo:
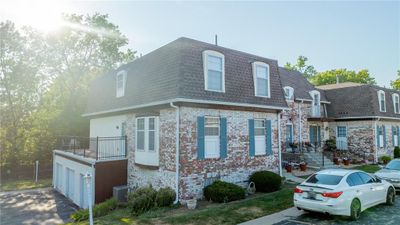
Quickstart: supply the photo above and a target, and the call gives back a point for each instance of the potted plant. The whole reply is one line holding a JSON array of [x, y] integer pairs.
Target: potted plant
[[336, 160], [294, 146], [191, 203], [289, 168], [346, 161], [385, 159], [303, 166]]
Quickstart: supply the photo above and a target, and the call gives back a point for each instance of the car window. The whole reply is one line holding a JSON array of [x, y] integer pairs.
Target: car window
[[393, 165], [354, 179], [367, 179], [325, 179]]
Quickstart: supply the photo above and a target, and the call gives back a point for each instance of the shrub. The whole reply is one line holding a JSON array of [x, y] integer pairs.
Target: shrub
[[165, 197], [266, 181], [142, 200], [221, 191], [101, 209], [385, 158], [396, 152]]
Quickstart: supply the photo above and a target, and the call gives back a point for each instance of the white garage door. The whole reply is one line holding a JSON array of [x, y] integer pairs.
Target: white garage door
[[70, 183], [59, 176], [83, 193]]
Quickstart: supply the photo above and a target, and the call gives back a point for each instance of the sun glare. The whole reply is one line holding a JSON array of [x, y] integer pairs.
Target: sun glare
[[42, 15]]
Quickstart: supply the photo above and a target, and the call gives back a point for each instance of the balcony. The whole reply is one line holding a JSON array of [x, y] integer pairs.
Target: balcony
[[97, 148]]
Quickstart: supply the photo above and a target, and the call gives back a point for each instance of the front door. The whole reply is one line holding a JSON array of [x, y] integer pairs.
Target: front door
[[315, 135], [341, 138], [289, 135]]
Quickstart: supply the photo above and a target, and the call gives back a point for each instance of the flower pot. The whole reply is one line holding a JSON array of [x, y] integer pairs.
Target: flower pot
[[346, 162], [385, 161], [192, 203], [336, 161], [288, 169], [303, 167]]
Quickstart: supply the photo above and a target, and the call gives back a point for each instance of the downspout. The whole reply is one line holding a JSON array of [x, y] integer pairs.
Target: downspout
[[300, 125], [376, 140], [279, 144], [177, 118]]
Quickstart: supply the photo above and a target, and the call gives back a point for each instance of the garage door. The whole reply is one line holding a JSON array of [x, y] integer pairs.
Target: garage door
[[83, 192], [58, 176], [70, 183]]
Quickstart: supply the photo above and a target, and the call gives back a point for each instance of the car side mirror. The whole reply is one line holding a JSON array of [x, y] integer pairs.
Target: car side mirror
[[377, 180]]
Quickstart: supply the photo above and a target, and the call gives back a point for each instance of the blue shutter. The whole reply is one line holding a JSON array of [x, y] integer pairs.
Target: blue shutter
[[252, 149], [393, 130], [384, 136], [318, 135], [223, 138], [377, 137], [200, 137], [398, 136], [268, 138], [312, 141]]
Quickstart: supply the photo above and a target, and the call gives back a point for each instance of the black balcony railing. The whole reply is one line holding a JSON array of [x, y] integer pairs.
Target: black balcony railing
[[99, 148]]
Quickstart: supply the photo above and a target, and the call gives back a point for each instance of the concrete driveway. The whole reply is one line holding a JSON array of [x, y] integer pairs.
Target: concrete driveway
[[39, 206]]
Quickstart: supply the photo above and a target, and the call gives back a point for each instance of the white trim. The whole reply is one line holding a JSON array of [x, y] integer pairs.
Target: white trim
[[207, 53], [120, 92], [291, 93], [207, 155], [394, 103], [186, 100], [384, 100], [254, 67], [308, 100], [278, 115], [368, 117]]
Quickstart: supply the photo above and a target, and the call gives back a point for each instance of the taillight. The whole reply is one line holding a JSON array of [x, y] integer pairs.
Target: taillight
[[298, 190], [332, 194]]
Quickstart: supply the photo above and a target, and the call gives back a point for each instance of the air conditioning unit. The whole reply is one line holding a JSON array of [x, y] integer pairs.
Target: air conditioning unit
[[120, 193]]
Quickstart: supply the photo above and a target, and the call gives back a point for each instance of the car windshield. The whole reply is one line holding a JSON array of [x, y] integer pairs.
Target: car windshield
[[324, 179], [393, 165]]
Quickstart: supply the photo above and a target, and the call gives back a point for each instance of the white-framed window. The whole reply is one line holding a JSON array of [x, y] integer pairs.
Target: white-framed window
[[289, 91], [214, 71], [316, 103], [396, 103], [211, 137], [382, 101], [259, 137], [147, 141], [120, 83], [395, 135], [261, 79], [380, 136]]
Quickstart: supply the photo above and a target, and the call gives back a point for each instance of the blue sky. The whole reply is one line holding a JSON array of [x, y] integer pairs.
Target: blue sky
[[352, 35]]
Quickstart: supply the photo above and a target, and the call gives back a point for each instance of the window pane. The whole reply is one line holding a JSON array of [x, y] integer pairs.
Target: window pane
[[214, 80], [262, 87], [214, 63], [366, 178], [140, 124], [259, 123], [151, 124], [152, 140], [259, 131], [261, 72], [211, 131], [140, 140], [211, 121], [354, 180], [324, 179]]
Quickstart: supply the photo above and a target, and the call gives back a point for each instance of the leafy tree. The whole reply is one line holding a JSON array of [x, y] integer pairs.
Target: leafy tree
[[301, 65], [344, 75], [396, 83]]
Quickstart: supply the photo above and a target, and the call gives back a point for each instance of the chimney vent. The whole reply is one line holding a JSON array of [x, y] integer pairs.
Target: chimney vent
[[216, 40]]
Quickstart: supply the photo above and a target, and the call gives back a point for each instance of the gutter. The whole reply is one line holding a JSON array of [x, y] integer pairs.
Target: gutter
[[279, 144], [177, 118]]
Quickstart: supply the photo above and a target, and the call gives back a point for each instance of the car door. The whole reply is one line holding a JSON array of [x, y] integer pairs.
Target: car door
[[376, 190], [358, 189]]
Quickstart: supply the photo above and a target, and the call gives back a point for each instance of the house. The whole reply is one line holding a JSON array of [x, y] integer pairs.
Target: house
[[192, 113]]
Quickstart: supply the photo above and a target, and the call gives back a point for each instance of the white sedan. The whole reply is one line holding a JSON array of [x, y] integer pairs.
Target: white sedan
[[342, 192], [391, 173]]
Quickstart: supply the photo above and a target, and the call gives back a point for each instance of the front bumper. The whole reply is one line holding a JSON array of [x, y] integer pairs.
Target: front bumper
[[336, 207]]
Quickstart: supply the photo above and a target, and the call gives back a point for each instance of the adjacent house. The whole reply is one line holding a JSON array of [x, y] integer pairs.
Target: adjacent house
[[190, 113]]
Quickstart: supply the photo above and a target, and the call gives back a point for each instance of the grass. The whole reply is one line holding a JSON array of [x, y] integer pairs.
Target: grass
[[24, 184], [213, 214], [367, 168]]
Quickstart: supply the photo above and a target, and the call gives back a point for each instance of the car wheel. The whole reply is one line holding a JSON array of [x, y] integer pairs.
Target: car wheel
[[391, 196], [355, 209]]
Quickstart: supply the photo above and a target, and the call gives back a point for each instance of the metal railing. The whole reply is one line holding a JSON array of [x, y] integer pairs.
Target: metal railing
[[99, 148]]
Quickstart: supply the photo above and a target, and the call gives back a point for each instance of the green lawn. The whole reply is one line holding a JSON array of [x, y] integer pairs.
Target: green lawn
[[229, 213], [24, 184], [367, 168]]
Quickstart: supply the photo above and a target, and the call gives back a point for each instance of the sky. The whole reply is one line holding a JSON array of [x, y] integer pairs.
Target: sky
[[332, 35]]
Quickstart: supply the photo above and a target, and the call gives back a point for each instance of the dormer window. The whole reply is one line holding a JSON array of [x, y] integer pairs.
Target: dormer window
[[288, 93], [316, 103], [396, 104], [261, 79], [382, 101], [120, 83], [214, 71]]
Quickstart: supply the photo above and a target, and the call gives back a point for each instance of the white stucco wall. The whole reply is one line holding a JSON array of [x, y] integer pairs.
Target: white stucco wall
[[78, 169], [107, 126]]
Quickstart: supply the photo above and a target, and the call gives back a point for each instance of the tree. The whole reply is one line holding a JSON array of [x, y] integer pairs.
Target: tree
[[344, 75], [396, 83], [301, 65]]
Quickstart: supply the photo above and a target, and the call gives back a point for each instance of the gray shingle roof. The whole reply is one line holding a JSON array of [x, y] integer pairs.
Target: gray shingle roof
[[359, 101], [176, 71], [299, 83]]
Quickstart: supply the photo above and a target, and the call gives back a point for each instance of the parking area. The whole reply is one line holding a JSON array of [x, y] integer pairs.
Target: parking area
[[379, 215], [39, 206]]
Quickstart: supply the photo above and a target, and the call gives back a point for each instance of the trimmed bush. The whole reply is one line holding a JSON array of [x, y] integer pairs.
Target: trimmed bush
[[221, 191], [165, 197], [142, 200], [396, 152], [101, 209], [385, 158], [266, 181]]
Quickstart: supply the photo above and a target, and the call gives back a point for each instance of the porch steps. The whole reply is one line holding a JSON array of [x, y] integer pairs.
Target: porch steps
[[314, 159]]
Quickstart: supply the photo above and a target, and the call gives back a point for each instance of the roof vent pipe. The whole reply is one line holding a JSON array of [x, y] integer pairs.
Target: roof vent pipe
[[216, 40]]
